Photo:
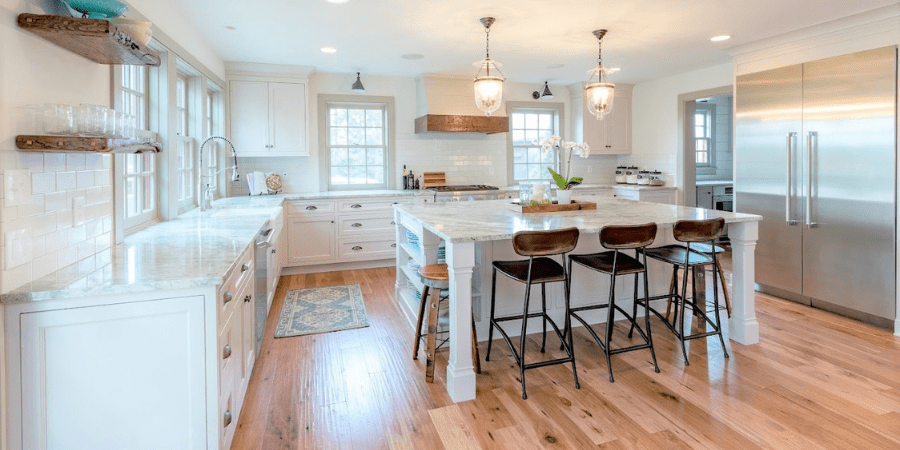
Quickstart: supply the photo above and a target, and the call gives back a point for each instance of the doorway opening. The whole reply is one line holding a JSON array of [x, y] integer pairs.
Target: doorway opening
[[707, 146]]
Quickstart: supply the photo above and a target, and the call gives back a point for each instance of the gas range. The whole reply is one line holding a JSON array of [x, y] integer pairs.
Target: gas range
[[468, 192]]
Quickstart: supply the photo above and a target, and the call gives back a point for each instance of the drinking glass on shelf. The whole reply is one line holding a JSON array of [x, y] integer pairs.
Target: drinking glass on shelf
[[92, 120], [58, 119], [130, 126], [121, 125], [111, 123]]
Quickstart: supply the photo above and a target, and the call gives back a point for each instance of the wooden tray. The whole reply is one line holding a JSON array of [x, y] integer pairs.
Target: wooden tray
[[552, 207]]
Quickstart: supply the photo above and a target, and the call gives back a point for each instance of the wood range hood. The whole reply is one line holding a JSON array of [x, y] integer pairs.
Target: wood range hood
[[446, 105]]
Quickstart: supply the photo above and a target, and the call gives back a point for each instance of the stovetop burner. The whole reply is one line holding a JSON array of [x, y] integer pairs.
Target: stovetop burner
[[465, 187]]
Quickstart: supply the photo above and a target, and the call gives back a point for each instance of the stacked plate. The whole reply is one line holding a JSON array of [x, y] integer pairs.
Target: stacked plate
[[412, 239], [442, 253]]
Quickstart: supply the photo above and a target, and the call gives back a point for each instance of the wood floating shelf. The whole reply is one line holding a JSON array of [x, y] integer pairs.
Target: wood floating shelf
[[461, 124], [95, 39], [32, 143]]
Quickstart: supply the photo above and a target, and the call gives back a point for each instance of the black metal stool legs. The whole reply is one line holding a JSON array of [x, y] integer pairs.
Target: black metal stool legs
[[491, 320], [567, 333], [716, 267]]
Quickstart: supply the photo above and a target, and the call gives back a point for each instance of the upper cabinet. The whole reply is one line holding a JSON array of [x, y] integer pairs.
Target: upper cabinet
[[269, 115], [610, 136]]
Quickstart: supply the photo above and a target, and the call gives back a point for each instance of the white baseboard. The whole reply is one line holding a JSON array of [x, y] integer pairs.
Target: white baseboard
[[335, 267], [897, 327]]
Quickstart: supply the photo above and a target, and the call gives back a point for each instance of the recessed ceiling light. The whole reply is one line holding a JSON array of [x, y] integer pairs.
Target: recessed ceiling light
[[556, 66], [721, 38], [229, 27], [328, 49], [412, 56], [337, 1]]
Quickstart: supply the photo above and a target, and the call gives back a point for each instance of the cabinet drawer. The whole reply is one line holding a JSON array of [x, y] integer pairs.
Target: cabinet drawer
[[227, 420], [368, 205], [226, 299], [305, 207], [627, 194], [229, 355], [354, 226], [367, 250]]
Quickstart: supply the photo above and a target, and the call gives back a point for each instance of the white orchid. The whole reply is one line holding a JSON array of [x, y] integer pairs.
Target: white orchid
[[584, 150]]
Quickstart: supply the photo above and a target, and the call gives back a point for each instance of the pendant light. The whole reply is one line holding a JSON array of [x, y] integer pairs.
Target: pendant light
[[357, 85], [488, 87], [599, 94]]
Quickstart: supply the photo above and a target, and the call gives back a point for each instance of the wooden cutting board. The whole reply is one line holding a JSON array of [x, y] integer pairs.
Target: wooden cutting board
[[432, 179]]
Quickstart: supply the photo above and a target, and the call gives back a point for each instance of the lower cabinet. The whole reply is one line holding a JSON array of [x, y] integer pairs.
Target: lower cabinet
[[128, 375], [658, 195], [311, 241]]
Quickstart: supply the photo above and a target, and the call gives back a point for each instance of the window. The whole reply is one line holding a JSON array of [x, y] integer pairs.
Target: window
[[212, 150], [703, 135], [530, 127], [356, 141], [138, 171], [185, 146]]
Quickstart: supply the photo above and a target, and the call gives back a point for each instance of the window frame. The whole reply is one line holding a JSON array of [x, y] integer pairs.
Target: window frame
[[709, 111], [325, 102], [149, 212], [558, 109], [213, 126]]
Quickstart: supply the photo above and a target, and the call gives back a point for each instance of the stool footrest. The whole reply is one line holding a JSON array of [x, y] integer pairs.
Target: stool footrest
[[551, 362]]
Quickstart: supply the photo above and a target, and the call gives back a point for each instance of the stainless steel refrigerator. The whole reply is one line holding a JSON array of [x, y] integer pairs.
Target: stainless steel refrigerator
[[815, 155]]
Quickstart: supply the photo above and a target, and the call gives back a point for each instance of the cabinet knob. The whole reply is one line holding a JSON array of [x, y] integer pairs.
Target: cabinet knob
[[227, 419], [356, 247], [273, 251], [393, 223], [228, 297], [356, 205], [394, 245], [356, 225], [247, 298], [226, 352], [245, 267], [311, 208]]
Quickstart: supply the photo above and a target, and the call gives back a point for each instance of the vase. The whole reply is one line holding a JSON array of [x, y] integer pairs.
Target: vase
[[564, 196]]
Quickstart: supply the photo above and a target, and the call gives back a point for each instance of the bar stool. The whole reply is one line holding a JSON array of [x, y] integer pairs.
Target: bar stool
[[685, 258], [537, 269], [615, 263], [718, 273], [436, 276]]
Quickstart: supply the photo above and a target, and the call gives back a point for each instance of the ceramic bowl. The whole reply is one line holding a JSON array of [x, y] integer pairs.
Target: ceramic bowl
[[98, 9]]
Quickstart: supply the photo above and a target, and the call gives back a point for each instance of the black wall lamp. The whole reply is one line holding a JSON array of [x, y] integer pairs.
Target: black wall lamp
[[542, 93]]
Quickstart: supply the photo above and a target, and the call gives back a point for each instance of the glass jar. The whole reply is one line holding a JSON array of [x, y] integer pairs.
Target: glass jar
[[657, 178], [643, 178], [92, 120], [58, 119], [631, 174]]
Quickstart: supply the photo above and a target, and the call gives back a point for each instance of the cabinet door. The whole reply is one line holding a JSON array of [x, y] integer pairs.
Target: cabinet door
[[594, 131], [248, 338], [136, 371], [250, 117], [618, 131], [311, 241], [288, 119]]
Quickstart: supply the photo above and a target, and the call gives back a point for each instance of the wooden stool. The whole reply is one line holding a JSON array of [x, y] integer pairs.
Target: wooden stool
[[435, 276], [616, 263]]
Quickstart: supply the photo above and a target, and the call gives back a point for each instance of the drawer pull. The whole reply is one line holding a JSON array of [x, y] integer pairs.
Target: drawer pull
[[356, 247], [356, 225], [311, 208], [273, 251], [394, 245], [227, 420], [395, 203], [247, 299], [357, 205], [393, 223], [228, 297], [245, 267], [226, 352]]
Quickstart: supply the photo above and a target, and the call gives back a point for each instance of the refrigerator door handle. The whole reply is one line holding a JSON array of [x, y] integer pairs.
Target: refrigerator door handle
[[790, 182], [809, 178]]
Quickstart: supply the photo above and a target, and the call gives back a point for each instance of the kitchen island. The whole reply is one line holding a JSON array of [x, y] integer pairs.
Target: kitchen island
[[475, 233]]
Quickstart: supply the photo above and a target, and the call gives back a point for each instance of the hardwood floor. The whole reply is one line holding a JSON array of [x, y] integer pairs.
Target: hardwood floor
[[816, 380]]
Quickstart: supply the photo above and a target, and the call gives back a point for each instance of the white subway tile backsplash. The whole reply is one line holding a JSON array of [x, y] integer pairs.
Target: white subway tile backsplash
[[93, 161], [34, 206], [86, 249], [78, 211], [77, 234], [31, 161], [93, 228], [75, 161], [54, 162], [54, 202], [16, 187], [44, 265], [66, 181], [18, 247], [43, 183], [103, 242], [39, 246], [67, 256], [93, 195], [64, 219], [102, 178], [57, 240], [43, 224], [85, 179]]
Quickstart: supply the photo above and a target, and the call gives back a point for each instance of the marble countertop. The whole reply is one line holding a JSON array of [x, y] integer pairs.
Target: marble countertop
[[714, 183], [275, 200], [633, 187], [491, 220]]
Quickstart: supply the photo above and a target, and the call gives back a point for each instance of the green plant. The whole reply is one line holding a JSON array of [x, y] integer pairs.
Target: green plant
[[561, 181]]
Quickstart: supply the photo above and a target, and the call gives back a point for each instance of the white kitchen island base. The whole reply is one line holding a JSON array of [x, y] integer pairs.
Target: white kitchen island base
[[465, 227]]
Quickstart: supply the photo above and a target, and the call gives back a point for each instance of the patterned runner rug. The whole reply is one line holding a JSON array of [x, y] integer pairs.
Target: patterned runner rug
[[322, 310]]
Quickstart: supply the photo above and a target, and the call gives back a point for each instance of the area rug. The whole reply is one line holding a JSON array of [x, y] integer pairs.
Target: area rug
[[322, 310]]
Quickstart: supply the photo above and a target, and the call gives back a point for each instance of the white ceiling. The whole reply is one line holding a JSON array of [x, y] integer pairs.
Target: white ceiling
[[647, 38]]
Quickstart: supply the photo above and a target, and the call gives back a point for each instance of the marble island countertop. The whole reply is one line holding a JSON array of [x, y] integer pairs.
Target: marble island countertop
[[634, 187], [197, 249], [492, 220]]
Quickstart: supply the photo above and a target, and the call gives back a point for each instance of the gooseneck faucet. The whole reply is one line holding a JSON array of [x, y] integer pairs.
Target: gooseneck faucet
[[205, 199]]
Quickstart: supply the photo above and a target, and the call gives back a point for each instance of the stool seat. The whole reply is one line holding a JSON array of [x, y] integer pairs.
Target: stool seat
[[543, 270], [706, 248], [676, 254], [603, 262]]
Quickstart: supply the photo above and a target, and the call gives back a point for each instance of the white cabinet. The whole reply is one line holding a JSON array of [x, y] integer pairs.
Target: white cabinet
[[269, 118], [612, 135], [653, 195], [311, 240], [128, 375]]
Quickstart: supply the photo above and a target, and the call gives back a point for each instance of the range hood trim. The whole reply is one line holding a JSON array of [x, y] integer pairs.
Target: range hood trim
[[438, 123]]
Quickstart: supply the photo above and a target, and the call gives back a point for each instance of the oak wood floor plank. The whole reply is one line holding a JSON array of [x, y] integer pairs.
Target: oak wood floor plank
[[453, 428]]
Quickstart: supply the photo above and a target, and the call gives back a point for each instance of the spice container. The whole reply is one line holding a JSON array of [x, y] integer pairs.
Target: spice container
[[631, 174], [620, 175], [657, 178], [643, 178]]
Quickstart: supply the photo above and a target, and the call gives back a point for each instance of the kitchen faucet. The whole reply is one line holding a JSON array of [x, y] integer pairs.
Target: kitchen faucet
[[206, 197]]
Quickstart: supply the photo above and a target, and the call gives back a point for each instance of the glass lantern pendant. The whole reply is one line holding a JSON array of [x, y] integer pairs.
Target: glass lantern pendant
[[599, 94], [488, 85]]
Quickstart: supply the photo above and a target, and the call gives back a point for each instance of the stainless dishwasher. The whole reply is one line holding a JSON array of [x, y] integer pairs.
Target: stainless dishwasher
[[261, 291]]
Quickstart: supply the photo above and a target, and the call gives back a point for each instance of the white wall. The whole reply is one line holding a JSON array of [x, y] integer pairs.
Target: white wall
[[655, 121], [468, 158]]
